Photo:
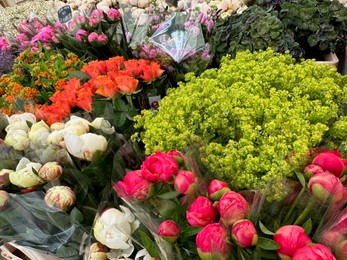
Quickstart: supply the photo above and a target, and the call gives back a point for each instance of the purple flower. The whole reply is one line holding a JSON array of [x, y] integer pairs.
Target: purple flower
[[6, 62]]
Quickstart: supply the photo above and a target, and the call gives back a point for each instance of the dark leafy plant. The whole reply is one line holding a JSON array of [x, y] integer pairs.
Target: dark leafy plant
[[254, 29]]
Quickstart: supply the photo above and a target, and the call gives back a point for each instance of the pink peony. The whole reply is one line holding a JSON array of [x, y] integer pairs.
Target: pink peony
[[92, 37], [113, 14], [133, 186], [81, 35], [169, 230], [325, 185], [159, 167], [201, 212], [232, 206], [312, 169], [244, 233], [290, 238], [313, 252], [185, 182], [216, 189], [329, 161], [341, 250], [102, 38], [212, 242]]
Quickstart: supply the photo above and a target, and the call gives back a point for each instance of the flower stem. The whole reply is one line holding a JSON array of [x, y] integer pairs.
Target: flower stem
[[290, 212], [302, 217], [178, 249], [130, 101]]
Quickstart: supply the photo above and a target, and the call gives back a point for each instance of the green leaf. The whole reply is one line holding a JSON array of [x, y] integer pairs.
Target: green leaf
[[301, 179], [265, 254], [267, 244], [76, 215], [169, 195], [150, 246], [190, 231], [265, 230], [119, 118], [307, 226], [119, 104], [79, 75]]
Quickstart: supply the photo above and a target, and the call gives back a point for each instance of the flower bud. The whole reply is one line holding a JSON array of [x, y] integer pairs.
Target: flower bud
[[244, 233], [331, 238], [169, 231], [102, 38], [97, 251], [212, 242], [50, 171], [329, 162], [216, 189], [341, 250], [38, 135], [18, 139], [201, 212], [5, 178], [81, 35], [185, 182], [314, 252], [312, 169], [4, 199], [325, 185], [25, 174], [92, 37], [232, 206], [113, 14], [61, 197], [290, 238]]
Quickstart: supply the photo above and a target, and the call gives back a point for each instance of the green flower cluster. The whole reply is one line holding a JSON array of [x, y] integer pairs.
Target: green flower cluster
[[254, 119]]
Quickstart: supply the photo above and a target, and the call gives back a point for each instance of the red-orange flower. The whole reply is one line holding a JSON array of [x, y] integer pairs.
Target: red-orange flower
[[56, 112], [105, 86], [114, 63], [84, 99], [91, 69], [134, 67], [127, 84], [151, 72]]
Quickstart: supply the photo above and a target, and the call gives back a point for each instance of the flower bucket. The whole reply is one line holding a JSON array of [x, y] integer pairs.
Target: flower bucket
[[330, 59]]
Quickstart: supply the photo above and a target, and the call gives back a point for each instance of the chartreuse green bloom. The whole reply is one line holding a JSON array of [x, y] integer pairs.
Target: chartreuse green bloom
[[254, 119]]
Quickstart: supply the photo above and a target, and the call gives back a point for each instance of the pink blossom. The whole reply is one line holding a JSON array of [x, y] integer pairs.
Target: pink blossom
[[4, 44], [185, 182], [201, 212], [329, 161], [313, 252], [216, 189], [244, 233], [169, 230], [113, 14], [92, 37], [102, 38], [80, 35]]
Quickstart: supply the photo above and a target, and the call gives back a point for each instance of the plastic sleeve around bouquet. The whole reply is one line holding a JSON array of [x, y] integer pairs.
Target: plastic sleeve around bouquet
[[29, 222]]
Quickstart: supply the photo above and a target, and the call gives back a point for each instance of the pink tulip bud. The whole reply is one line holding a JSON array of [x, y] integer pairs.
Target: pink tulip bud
[[212, 242], [325, 185], [313, 252], [159, 167], [341, 250], [92, 37], [244, 233], [81, 35], [331, 238], [102, 38], [4, 199], [61, 197], [113, 14], [134, 186], [216, 189], [169, 231], [312, 169], [330, 162], [185, 182], [232, 206], [290, 238], [201, 212], [50, 171]]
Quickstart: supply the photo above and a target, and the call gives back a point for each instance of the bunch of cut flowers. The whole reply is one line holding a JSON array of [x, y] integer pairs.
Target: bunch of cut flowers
[[175, 211], [52, 181]]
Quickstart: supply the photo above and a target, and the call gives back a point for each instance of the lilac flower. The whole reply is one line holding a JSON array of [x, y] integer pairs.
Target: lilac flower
[[6, 61]]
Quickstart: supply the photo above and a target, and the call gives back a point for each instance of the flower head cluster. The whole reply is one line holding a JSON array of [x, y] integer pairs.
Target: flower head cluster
[[272, 112]]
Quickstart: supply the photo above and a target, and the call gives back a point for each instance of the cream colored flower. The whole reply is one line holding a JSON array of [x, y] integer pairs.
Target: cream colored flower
[[38, 135], [24, 175], [18, 139], [103, 125]]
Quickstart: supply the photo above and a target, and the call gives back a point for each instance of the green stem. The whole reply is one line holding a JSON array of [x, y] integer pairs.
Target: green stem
[[290, 212], [130, 100], [178, 249], [302, 217]]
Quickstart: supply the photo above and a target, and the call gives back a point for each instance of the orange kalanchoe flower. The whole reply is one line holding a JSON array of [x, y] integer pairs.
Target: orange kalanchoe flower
[[151, 72], [127, 84], [104, 86]]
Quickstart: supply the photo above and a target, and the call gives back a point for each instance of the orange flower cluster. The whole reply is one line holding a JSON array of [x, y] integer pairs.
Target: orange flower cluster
[[107, 78], [116, 75]]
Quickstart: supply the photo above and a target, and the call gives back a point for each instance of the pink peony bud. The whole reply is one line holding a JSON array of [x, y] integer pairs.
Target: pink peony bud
[[244, 233], [179, 157], [97, 251], [134, 186], [5, 178], [102, 38], [290, 238], [331, 238], [92, 37], [4, 199], [81, 35], [341, 250], [169, 231], [212, 242], [232, 206], [330, 162], [185, 182], [61, 197], [313, 252], [113, 14], [312, 169], [216, 189], [325, 185], [159, 167], [50, 171], [201, 212]]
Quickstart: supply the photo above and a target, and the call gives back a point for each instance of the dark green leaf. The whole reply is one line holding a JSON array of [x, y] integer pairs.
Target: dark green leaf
[[150, 246], [265, 230], [76, 215], [79, 75], [307, 226], [301, 179], [119, 118], [169, 195], [265, 254], [267, 244], [190, 231]]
